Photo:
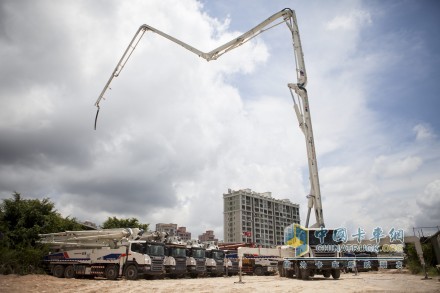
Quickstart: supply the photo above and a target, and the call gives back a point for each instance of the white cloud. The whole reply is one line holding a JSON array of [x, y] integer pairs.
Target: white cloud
[[428, 203], [423, 132], [390, 167], [350, 21]]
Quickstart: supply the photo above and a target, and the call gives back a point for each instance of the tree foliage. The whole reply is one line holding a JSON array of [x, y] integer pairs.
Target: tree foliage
[[413, 261], [21, 220], [113, 222]]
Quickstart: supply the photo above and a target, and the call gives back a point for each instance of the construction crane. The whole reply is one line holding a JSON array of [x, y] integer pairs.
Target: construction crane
[[298, 89]]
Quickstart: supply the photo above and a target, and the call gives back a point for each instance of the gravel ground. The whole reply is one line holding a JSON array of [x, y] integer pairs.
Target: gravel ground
[[386, 281]]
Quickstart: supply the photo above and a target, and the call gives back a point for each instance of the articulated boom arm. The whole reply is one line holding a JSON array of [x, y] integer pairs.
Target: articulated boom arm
[[286, 14], [302, 108]]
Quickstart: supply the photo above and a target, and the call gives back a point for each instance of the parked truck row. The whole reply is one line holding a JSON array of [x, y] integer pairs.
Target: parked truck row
[[129, 253]]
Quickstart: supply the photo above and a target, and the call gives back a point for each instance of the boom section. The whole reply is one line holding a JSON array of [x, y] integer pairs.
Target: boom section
[[285, 14]]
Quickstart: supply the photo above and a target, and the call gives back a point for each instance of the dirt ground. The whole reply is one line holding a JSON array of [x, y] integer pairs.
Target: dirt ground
[[387, 281]]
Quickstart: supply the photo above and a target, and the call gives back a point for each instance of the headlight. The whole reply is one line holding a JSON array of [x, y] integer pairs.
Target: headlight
[[147, 259]]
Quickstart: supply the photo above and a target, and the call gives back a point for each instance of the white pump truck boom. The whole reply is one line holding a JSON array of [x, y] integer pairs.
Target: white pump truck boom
[[301, 107]]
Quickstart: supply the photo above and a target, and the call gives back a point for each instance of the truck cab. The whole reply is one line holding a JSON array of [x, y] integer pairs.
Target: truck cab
[[175, 260], [196, 261], [215, 260], [156, 251]]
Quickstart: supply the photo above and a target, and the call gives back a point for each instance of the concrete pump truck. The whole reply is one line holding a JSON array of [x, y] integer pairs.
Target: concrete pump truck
[[308, 261], [108, 253]]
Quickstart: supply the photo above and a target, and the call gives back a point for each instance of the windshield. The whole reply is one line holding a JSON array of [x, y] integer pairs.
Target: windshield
[[157, 250], [218, 254], [138, 247], [198, 253], [177, 251]]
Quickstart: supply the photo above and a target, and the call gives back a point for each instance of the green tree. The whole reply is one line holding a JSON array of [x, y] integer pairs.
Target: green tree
[[21, 220], [413, 261], [113, 222]]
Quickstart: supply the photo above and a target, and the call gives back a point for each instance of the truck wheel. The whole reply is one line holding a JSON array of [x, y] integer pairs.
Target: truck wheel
[[131, 272], [58, 271], [297, 272], [258, 271], [69, 272], [305, 274], [282, 272], [336, 273], [111, 272], [326, 274]]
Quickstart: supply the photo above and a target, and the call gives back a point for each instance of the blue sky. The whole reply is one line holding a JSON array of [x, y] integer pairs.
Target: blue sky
[[175, 132]]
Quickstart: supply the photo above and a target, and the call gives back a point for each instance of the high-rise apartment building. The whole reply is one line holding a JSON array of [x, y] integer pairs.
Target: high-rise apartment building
[[259, 218]]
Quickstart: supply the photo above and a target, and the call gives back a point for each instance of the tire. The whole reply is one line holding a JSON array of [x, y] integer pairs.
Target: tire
[[131, 272], [69, 272], [111, 272], [58, 271], [305, 274], [326, 274], [336, 273], [259, 271], [282, 272], [297, 272]]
